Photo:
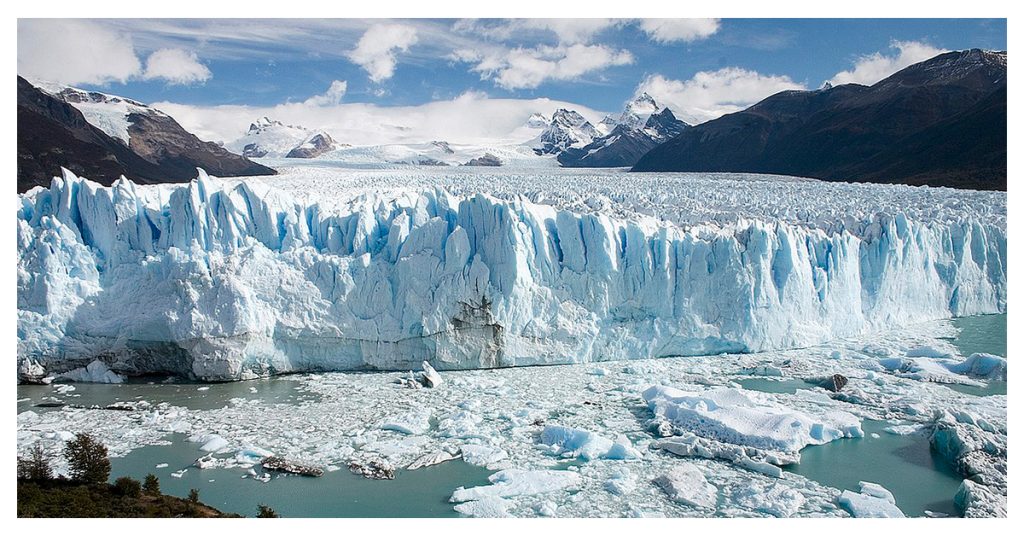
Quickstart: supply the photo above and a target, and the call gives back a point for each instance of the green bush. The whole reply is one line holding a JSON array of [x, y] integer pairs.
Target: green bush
[[87, 459], [193, 496], [265, 511], [151, 485], [36, 466], [127, 486]]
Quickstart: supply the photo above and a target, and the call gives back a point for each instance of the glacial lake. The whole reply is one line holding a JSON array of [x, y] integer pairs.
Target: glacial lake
[[420, 493], [904, 464]]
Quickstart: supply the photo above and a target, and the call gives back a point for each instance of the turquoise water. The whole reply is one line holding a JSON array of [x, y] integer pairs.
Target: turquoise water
[[420, 493], [280, 390], [981, 334], [905, 465]]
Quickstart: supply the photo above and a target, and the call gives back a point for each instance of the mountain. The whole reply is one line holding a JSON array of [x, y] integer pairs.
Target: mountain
[[269, 138], [641, 127], [567, 129], [103, 136], [314, 146], [941, 122]]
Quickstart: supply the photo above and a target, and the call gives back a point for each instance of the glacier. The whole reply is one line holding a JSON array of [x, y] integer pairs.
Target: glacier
[[234, 279]]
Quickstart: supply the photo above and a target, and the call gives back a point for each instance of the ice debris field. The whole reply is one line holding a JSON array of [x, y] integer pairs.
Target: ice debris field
[[324, 269], [321, 269], [664, 437]]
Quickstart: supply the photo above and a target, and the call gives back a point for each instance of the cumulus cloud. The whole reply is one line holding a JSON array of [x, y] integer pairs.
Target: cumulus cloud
[[573, 31], [331, 97], [176, 66], [711, 94], [671, 30], [527, 68], [74, 52], [872, 68], [375, 51], [85, 52]]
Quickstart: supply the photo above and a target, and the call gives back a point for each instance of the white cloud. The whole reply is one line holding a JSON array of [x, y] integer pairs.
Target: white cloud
[[472, 117], [711, 94], [671, 30], [528, 68], [331, 97], [74, 52], [872, 68], [176, 66], [376, 49]]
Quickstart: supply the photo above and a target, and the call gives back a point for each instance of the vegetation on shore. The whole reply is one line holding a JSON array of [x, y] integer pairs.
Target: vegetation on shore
[[85, 492]]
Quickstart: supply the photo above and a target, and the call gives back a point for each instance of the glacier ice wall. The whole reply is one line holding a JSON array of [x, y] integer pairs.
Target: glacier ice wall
[[225, 281]]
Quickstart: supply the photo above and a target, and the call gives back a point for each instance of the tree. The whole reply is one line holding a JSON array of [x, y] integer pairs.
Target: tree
[[265, 511], [36, 466], [87, 459], [193, 496], [151, 485], [128, 487]]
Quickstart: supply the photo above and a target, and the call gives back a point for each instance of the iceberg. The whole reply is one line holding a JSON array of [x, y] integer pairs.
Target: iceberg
[[228, 280], [731, 416]]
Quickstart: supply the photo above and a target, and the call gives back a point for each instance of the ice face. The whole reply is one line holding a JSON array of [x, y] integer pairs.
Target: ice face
[[234, 279]]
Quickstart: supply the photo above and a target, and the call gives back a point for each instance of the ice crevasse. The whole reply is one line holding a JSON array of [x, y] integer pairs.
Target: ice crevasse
[[220, 281]]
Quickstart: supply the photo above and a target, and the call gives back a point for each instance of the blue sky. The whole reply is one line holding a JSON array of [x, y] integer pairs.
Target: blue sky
[[701, 68]]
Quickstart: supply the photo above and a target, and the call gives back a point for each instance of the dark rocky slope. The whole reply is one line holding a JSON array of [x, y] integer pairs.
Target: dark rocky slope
[[941, 122], [52, 133]]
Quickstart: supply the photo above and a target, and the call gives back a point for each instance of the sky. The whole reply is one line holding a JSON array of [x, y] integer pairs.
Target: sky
[[484, 77]]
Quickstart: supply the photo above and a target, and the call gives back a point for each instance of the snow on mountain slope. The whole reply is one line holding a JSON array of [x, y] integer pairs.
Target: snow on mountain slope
[[269, 138], [228, 279], [109, 113], [432, 154]]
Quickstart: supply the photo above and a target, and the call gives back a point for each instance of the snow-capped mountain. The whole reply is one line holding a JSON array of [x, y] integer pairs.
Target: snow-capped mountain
[[109, 113], [314, 146], [106, 136], [641, 127], [538, 121], [567, 129], [635, 115], [269, 138]]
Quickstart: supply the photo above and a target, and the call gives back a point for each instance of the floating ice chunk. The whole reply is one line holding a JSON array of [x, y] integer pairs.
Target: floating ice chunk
[[486, 507], [429, 459], [395, 448], [179, 474], [462, 424], [775, 499], [980, 365], [730, 416], [204, 388], [686, 484], [414, 422], [211, 442], [904, 429], [586, 445], [622, 482], [161, 465], [94, 372], [872, 501], [251, 455], [482, 455], [430, 376], [515, 482], [547, 509]]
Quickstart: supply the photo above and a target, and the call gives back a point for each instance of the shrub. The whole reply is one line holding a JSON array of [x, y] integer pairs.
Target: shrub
[[87, 459], [151, 485], [128, 487], [265, 511], [36, 466], [193, 496]]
